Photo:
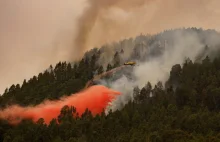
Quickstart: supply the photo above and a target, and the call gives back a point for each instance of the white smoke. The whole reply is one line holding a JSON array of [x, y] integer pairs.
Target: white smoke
[[126, 87], [158, 69]]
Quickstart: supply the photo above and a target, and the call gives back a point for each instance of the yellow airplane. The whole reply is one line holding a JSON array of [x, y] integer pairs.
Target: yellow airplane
[[130, 63]]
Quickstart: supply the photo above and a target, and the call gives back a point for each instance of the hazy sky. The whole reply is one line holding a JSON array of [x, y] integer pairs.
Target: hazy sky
[[30, 32], [37, 33]]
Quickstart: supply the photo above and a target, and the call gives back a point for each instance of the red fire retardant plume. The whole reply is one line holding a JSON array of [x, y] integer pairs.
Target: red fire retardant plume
[[95, 98]]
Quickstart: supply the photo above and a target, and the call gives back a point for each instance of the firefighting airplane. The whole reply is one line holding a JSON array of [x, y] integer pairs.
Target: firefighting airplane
[[130, 63]]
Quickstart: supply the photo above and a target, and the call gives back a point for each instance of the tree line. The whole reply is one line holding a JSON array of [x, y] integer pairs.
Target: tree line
[[185, 109]]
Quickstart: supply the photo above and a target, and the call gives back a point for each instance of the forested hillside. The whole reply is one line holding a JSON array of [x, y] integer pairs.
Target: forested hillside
[[186, 108]]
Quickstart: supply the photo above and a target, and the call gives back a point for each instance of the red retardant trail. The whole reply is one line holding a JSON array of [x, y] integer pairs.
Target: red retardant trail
[[95, 98]]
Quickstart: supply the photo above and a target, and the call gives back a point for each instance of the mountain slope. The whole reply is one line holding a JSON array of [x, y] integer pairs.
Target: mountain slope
[[65, 79], [189, 113], [181, 105]]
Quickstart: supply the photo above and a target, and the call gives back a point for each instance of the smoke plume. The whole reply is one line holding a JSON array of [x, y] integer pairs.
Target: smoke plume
[[96, 98], [96, 13], [107, 21]]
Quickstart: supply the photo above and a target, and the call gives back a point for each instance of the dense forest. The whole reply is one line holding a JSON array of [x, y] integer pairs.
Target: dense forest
[[186, 108]]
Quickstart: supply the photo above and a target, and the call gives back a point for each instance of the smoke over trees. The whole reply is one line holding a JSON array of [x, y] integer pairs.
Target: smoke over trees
[[37, 33], [178, 110]]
